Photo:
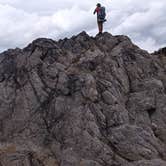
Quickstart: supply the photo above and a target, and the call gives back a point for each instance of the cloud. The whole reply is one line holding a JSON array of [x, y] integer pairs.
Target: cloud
[[23, 21], [145, 24], [19, 26]]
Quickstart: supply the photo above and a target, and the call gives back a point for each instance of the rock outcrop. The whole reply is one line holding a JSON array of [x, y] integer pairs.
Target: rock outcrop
[[161, 51], [82, 101]]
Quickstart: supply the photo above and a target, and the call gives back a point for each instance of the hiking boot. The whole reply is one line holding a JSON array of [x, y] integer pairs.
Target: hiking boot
[[100, 33]]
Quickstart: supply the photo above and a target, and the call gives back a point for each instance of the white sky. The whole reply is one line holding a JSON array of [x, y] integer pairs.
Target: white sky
[[23, 21]]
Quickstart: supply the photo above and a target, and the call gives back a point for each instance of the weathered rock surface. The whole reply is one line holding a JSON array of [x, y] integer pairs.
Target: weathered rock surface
[[82, 101]]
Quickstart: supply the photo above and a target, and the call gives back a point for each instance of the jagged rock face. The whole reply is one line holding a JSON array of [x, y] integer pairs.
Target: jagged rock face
[[161, 51], [82, 102]]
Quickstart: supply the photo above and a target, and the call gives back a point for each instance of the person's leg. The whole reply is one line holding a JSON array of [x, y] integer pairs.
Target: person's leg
[[98, 23], [101, 27]]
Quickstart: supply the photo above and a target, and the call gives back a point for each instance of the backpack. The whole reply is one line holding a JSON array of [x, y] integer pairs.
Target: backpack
[[101, 13]]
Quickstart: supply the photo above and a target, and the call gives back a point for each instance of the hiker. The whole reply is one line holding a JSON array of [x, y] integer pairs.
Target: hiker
[[100, 10]]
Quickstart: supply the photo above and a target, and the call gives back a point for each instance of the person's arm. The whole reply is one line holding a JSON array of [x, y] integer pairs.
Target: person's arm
[[94, 11]]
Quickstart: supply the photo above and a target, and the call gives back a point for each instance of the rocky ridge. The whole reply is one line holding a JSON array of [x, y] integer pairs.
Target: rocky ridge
[[161, 51], [83, 101]]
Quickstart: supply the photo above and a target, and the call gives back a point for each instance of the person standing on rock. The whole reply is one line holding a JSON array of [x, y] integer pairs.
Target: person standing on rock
[[100, 10]]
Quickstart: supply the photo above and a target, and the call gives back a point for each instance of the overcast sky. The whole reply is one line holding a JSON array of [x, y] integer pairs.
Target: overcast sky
[[21, 21]]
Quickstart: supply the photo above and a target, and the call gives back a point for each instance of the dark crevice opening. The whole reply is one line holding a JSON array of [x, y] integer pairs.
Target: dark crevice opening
[[151, 111]]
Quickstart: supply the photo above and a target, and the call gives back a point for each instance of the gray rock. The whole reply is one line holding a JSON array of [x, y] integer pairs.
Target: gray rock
[[155, 162], [83, 101], [129, 142]]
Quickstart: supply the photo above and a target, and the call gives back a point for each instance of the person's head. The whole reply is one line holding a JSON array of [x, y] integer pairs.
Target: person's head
[[98, 5]]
